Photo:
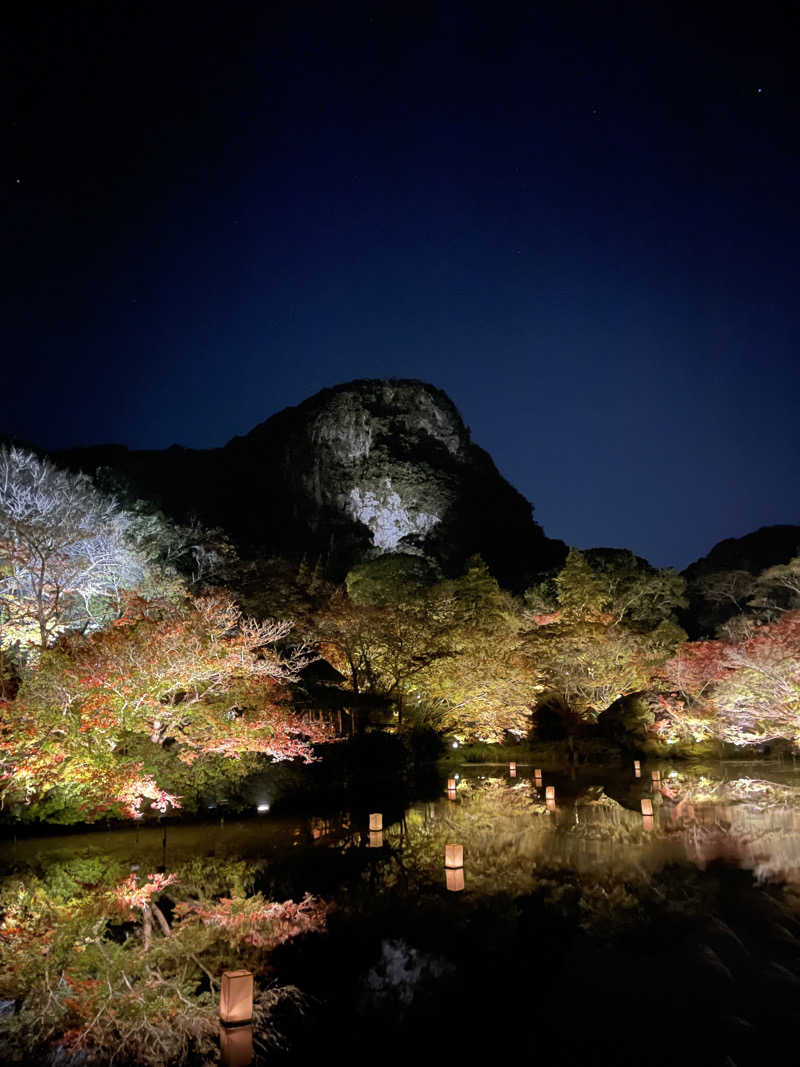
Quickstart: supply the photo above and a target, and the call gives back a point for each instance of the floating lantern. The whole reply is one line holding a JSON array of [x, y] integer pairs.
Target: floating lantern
[[376, 821], [376, 839], [550, 792], [236, 997], [451, 783], [648, 822], [453, 856], [236, 1045], [454, 879], [637, 769], [647, 806], [512, 770]]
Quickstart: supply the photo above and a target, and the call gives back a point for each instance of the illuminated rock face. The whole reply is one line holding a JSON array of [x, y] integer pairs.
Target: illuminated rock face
[[391, 522], [355, 471], [386, 456]]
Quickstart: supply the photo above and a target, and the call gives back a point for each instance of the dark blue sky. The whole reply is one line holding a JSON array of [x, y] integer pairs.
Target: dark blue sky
[[580, 220]]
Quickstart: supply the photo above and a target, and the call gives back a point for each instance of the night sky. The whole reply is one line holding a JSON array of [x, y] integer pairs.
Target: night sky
[[580, 220]]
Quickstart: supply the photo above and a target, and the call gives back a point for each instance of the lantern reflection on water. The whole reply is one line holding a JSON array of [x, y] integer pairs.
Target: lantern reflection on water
[[647, 806], [376, 839], [236, 1045], [648, 822], [454, 879]]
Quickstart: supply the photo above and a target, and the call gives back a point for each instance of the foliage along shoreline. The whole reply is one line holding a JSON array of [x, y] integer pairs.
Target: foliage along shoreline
[[144, 664]]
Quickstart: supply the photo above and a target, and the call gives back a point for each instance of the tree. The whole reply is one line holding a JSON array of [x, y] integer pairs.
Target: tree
[[383, 649], [745, 691], [486, 686], [101, 960], [106, 712], [635, 591], [777, 590], [64, 560], [598, 641]]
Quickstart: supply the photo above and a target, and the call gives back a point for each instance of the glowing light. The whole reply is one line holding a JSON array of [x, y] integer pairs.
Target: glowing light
[[236, 997], [455, 744], [454, 856], [263, 807]]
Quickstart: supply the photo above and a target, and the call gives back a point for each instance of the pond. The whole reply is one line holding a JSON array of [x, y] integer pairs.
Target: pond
[[574, 929]]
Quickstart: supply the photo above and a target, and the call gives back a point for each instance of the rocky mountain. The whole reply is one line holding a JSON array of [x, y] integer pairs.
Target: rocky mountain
[[752, 553], [358, 470]]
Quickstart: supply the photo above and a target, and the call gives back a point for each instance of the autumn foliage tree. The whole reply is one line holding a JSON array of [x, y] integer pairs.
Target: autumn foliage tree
[[165, 684], [601, 635], [742, 691], [98, 960]]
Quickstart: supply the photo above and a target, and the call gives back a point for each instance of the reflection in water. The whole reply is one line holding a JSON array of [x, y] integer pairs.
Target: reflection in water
[[591, 860], [236, 1045], [510, 827], [454, 879]]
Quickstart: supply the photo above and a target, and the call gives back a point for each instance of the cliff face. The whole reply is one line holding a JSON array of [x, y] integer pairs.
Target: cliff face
[[753, 553], [358, 470]]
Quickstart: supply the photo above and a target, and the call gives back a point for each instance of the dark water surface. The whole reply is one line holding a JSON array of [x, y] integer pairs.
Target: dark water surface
[[585, 932]]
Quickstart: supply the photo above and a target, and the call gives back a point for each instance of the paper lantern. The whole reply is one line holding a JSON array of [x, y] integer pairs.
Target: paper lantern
[[512, 770], [236, 997], [647, 806], [453, 856], [376, 839], [537, 774], [376, 821], [454, 879], [637, 766], [550, 792], [236, 1045], [451, 783]]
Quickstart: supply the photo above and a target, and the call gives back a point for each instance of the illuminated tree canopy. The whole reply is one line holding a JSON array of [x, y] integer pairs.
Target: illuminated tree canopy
[[195, 681]]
